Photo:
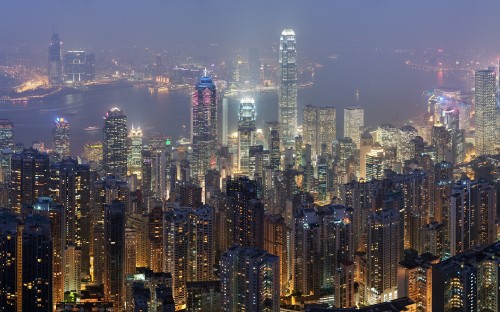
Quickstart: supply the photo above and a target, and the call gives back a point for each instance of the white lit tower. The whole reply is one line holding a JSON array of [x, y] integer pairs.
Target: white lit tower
[[115, 142], [485, 112], [246, 136], [135, 152], [60, 136], [288, 87], [354, 123]]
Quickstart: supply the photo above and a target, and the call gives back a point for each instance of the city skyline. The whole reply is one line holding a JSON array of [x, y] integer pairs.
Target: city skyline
[[249, 157]]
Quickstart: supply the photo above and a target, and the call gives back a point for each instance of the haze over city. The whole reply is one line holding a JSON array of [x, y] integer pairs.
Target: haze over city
[[274, 156]]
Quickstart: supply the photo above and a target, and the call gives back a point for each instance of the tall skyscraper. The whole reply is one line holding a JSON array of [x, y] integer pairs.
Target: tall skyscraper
[[250, 280], [354, 123], [115, 142], [287, 93], [135, 153], [6, 134], [114, 264], [79, 67], [246, 136], [319, 127], [55, 60], [203, 125], [384, 251], [60, 137], [29, 178], [485, 117], [189, 247]]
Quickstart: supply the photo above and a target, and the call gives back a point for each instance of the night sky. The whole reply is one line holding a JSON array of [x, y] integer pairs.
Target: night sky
[[94, 24]]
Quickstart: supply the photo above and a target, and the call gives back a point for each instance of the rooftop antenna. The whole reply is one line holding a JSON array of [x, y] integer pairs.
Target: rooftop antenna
[[205, 71]]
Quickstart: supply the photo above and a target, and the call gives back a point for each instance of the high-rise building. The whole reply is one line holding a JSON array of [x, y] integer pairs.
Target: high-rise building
[[287, 94], [115, 142], [273, 142], [78, 67], [29, 177], [135, 153], [60, 137], [203, 126], [26, 262], [203, 296], [245, 213], [114, 264], [384, 251], [319, 127], [55, 60], [93, 153], [250, 280], [189, 247], [485, 112], [246, 133], [467, 282], [405, 134], [354, 123], [6, 134]]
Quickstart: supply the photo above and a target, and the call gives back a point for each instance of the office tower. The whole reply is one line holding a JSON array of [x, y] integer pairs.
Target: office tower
[[374, 163], [387, 135], [155, 234], [250, 280], [485, 112], [190, 195], [256, 162], [273, 142], [71, 188], [464, 110], [105, 191], [441, 141], [467, 282], [79, 67], [414, 278], [246, 133], [254, 65], [114, 257], [451, 121], [6, 134], [29, 177], [224, 123], [26, 262], [115, 143], [405, 134], [135, 153], [287, 93], [365, 146], [354, 123], [189, 247], [319, 127], [246, 213], [131, 241], [275, 242], [55, 60], [93, 153], [384, 251], [472, 210], [203, 296], [60, 137], [203, 126]]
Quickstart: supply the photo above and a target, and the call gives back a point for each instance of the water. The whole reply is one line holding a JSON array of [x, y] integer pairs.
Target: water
[[388, 90]]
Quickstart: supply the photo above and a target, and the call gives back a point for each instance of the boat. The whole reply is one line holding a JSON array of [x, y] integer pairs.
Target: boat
[[92, 128]]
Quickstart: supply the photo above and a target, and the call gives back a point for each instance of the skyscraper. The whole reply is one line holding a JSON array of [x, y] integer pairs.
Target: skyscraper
[[29, 178], [288, 87], [60, 137], [55, 61], [246, 136], [114, 264], [319, 127], [485, 120], [115, 142], [135, 150], [354, 122], [6, 134], [250, 280], [203, 125]]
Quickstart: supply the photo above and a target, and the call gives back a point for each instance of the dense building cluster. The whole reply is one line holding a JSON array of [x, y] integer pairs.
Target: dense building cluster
[[285, 218]]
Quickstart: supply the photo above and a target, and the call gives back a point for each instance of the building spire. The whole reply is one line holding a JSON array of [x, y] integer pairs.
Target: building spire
[[205, 72]]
